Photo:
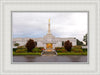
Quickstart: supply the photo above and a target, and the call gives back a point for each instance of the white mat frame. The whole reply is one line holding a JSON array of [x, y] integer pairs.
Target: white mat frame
[[6, 6]]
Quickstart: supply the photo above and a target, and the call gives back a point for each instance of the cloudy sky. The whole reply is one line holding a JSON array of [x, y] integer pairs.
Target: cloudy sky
[[63, 24]]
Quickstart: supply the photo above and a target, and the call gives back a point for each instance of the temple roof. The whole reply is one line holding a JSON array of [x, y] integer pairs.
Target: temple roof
[[49, 36]]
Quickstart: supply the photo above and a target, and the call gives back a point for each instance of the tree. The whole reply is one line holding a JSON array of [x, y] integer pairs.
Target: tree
[[16, 44], [30, 45], [79, 42], [85, 38], [68, 45]]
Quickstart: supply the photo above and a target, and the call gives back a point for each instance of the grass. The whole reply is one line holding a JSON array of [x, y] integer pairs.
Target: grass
[[72, 53], [37, 51], [26, 53], [67, 53]]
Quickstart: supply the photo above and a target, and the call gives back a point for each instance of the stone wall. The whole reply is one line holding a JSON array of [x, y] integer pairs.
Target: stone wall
[[23, 41]]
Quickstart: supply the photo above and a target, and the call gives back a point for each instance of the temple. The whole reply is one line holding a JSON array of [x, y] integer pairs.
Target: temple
[[48, 41]]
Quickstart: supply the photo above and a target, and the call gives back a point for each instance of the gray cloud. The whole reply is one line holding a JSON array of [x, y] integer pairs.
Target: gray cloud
[[63, 24]]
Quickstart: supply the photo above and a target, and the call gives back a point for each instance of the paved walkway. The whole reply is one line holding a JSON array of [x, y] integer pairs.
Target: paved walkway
[[49, 52], [68, 58]]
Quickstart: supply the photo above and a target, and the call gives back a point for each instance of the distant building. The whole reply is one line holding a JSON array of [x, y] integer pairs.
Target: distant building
[[47, 41]]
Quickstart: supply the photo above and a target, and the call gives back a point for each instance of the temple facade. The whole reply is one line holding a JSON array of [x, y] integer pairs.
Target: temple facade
[[48, 41]]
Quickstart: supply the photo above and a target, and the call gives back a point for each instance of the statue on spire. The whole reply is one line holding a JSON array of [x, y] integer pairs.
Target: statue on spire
[[49, 20], [49, 27]]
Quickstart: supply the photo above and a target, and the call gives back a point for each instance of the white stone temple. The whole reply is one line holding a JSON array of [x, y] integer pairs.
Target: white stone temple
[[47, 41]]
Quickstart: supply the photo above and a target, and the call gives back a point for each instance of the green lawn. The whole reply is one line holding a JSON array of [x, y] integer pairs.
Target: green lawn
[[67, 53], [26, 53], [72, 53], [60, 51]]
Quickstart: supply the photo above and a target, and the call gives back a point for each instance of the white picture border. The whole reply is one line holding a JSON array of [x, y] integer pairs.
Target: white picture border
[[85, 62], [6, 68]]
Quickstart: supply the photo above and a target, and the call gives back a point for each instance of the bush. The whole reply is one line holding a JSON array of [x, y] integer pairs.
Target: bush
[[68, 45], [77, 47], [16, 44], [36, 50], [60, 49], [72, 53], [77, 50], [56, 48], [30, 45], [84, 53], [41, 48], [21, 47], [14, 49], [21, 50], [26, 53], [84, 50]]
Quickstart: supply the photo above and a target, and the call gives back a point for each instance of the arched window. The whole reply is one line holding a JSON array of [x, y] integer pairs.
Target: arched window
[[62, 43], [35, 43]]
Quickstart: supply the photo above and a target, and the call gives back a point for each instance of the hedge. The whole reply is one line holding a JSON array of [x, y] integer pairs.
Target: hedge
[[84, 50], [26, 53], [72, 53], [14, 49], [77, 47], [23, 50], [36, 50]]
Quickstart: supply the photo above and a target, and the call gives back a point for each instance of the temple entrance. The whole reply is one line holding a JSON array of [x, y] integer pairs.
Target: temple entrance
[[49, 45], [49, 50]]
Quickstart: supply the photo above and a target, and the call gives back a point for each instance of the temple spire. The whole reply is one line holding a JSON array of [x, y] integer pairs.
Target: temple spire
[[49, 27]]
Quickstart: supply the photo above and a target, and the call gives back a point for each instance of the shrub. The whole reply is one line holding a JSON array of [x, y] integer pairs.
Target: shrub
[[84, 53], [16, 44], [36, 50], [84, 50], [68, 45], [77, 50], [30, 45], [72, 53], [41, 48], [14, 49], [21, 50], [21, 47], [77, 47], [26, 53], [60, 49], [56, 48]]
